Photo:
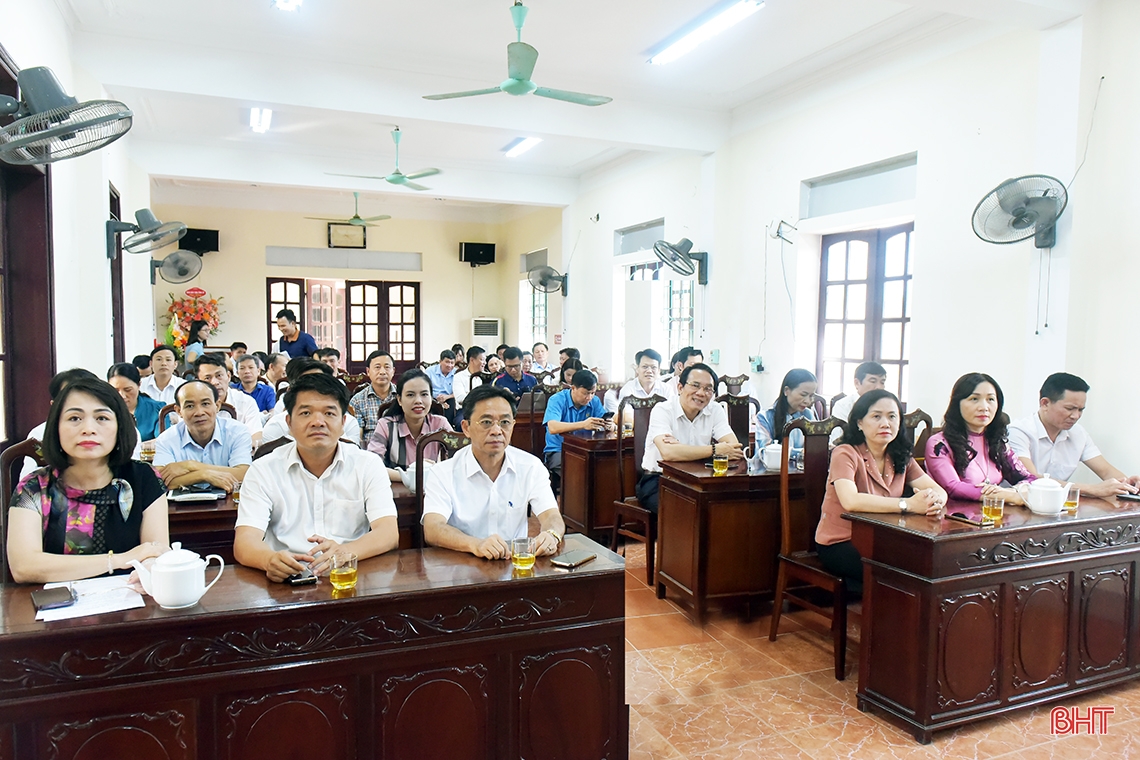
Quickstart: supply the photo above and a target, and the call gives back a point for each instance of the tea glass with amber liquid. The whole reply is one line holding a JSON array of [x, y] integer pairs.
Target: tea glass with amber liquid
[[720, 464], [993, 508], [342, 576]]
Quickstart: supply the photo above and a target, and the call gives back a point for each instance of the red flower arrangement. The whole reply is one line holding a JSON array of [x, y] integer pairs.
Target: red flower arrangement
[[183, 311]]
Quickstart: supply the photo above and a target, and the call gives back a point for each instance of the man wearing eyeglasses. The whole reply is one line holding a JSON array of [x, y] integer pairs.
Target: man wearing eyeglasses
[[514, 379], [477, 501], [686, 428]]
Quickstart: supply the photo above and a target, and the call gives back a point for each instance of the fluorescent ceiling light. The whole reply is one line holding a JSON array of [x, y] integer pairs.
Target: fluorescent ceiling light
[[727, 18], [520, 145], [287, 5], [259, 119]]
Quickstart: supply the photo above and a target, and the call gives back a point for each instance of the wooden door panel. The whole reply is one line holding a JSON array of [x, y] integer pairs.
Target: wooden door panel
[[968, 648], [566, 704], [1105, 612], [1040, 628], [410, 705], [165, 732], [308, 721]]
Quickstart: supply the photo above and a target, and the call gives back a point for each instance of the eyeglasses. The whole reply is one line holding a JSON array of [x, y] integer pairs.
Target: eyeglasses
[[698, 388], [513, 366], [503, 425]]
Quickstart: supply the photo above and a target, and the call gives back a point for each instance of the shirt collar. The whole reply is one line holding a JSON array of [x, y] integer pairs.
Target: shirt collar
[[471, 466], [184, 433], [873, 468], [681, 410], [293, 458], [1043, 434]]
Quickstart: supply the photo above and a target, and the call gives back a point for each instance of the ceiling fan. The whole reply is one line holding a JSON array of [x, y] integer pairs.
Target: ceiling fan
[[355, 219], [397, 177], [521, 58]]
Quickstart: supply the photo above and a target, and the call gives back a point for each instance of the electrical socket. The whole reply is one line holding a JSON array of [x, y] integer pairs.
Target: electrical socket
[[757, 363]]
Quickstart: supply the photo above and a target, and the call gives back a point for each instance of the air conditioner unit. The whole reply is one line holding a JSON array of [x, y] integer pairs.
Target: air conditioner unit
[[486, 332]]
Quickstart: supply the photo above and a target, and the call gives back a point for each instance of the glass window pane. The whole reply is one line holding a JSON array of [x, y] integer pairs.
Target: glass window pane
[[394, 296], [836, 260], [409, 314], [409, 295], [848, 375], [356, 314], [371, 295], [908, 299], [906, 342], [833, 341], [410, 351], [371, 314], [409, 332], [356, 333], [853, 343], [394, 314], [909, 251], [292, 292], [893, 299], [832, 377], [896, 256], [357, 352], [857, 260], [356, 294], [834, 302], [396, 352], [856, 301], [904, 389], [891, 346], [371, 334], [395, 333], [277, 291]]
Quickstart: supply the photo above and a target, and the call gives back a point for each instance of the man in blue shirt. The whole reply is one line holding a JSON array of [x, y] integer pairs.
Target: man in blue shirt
[[203, 447], [248, 383], [294, 341], [514, 379], [442, 377], [576, 408]]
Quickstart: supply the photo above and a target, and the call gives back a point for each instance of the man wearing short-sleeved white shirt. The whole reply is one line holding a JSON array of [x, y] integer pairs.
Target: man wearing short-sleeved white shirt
[[477, 501], [684, 429], [1052, 442], [306, 500]]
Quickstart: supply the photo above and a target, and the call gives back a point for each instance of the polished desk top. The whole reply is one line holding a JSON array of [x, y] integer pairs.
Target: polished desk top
[[243, 589], [701, 471], [596, 439]]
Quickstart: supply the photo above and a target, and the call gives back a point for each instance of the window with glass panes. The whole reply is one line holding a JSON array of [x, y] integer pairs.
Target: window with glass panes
[[680, 314], [283, 293], [538, 304], [326, 313], [864, 307]]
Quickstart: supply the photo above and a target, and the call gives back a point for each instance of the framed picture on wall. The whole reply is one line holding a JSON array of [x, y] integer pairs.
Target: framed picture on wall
[[347, 235]]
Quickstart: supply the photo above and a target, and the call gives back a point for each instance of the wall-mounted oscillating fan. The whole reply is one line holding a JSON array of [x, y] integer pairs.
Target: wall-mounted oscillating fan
[[682, 259], [150, 233], [548, 280], [50, 125], [180, 266], [1022, 208]]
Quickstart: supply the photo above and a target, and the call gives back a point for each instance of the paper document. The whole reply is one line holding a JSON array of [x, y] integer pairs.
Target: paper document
[[95, 596]]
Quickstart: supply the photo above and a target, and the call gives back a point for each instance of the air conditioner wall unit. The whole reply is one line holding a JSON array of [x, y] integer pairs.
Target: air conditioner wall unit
[[486, 332]]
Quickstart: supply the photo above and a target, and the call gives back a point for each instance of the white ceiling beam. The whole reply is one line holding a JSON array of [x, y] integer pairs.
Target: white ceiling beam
[[1021, 14]]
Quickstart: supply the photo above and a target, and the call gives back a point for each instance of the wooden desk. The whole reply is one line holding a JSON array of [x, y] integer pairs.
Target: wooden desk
[[520, 436], [718, 537], [439, 655], [963, 623], [589, 479]]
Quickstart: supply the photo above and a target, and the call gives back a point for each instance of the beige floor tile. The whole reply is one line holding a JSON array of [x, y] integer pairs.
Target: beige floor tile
[[702, 669], [704, 725], [663, 631], [645, 743], [644, 685], [641, 602]]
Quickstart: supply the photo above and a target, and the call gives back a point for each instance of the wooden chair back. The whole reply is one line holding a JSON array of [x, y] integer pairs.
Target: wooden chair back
[[740, 410], [169, 409], [819, 404], [541, 376], [911, 422], [449, 443], [536, 400], [485, 377], [642, 407], [271, 446], [603, 388], [353, 383], [733, 384], [836, 398], [797, 527], [11, 463]]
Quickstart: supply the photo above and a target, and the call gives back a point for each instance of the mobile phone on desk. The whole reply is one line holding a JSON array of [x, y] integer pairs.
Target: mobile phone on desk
[[571, 559], [608, 416], [303, 578], [53, 598], [1129, 496], [962, 517]]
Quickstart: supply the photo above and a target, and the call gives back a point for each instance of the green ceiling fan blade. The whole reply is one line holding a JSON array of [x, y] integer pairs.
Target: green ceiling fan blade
[[327, 219], [467, 94], [422, 173], [414, 186], [521, 58], [379, 218], [572, 97], [357, 176]]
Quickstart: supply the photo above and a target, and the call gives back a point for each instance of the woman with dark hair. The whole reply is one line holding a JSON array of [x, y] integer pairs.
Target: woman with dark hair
[[405, 422], [196, 342], [569, 368], [869, 471], [970, 457], [796, 399], [92, 509], [495, 365], [125, 379]]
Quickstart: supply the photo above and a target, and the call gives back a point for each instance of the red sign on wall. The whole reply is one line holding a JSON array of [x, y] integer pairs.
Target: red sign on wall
[[195, 292]]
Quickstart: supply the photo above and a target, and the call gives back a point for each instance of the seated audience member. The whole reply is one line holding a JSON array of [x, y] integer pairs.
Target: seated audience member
[[458, 350], [441, 376], [477, 501], [685, 428], [686, 357], [494, 365], [204, 447], [402, 426], [796, 401], [869, 472], [969, 457], [304, 501], [576, 408], [212, 369], [142, 364], [566, 354], [125, 379], [196, 342], [500, 351], [237, 351], [162, 383], [294, 341], [248, 384], [513, 379], [365, 405], [528, 363], [646, 381], [331, 357], [277, 427], [541, 354], [463, 381], [275, 371], [568, 369], [92, 509], [57, 385], [1053, 441], [868, 377]]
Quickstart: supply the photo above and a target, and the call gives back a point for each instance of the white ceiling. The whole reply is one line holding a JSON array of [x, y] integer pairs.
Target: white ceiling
[[338, 73]]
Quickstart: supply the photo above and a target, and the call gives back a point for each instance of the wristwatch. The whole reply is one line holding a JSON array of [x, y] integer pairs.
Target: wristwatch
[[903, 506], [557, 538]]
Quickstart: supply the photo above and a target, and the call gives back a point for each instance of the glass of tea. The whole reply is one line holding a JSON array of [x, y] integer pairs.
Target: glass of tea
[[993, 507], [146, 453], [720, 464], [1072, 498], [522, 553], [343, 572]]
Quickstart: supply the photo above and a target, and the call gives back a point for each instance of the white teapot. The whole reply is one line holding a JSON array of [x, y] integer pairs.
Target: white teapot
[[178, 578], [1043, 496], [773, 455]]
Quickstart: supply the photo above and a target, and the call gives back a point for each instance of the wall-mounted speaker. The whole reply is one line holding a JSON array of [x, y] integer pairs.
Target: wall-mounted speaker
[[199, 241], [477, 254]]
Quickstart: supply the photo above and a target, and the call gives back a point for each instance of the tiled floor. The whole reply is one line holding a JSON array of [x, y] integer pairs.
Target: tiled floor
[[727, 692]]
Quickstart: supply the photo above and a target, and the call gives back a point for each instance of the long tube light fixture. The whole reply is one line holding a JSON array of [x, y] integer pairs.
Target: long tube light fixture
[[520, 145], [260, 119], [287, 5], [727, 18]]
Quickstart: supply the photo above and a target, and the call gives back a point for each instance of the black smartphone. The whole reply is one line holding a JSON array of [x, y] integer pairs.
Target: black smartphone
[[303, 578], [572, 559], [608, 416], [1129, 496], [52, 598], [962, 517]]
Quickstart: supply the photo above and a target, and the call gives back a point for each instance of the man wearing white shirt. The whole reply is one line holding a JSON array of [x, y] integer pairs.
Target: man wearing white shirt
[[162, 384], [869, 376], [477, 501], [462, 380], [685, 428], [542, 363], [306, 500], [646, 382], [683, 359], [212, 369], [278, 427], [1052, 441]]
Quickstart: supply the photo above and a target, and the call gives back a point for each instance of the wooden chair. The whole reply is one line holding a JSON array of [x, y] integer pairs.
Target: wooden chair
[[11, 463], [449, 443], [355, 382], [798, 559], [628, 507], [740, 411], [538, 397], [169, 409], [271, 446], [734, 384], [603, 388], [541, 376], [835, 398], [910, 425], [485, 377], [819, 404]]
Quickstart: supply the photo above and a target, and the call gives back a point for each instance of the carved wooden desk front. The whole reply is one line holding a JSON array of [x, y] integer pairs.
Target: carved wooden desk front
[[962, 623], [439, 655], [589, 480]]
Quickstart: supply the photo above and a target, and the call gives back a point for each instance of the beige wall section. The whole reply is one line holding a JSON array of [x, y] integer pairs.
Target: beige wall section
[[529, 231]]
